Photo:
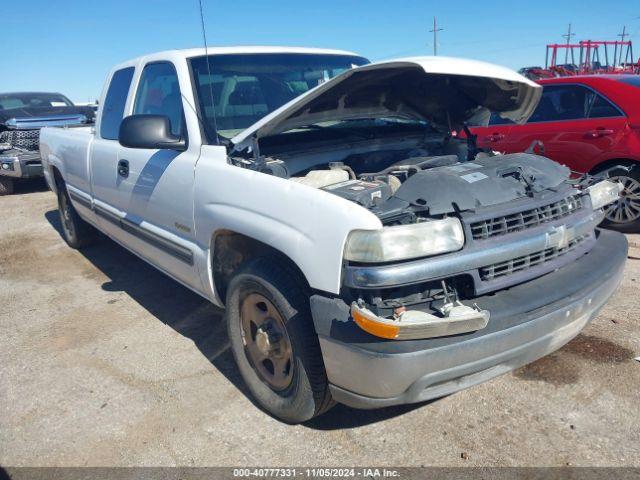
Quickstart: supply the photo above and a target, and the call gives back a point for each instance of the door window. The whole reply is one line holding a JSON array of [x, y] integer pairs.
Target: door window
[[159, 94], [602, 108], [571, 102], [113, 108]]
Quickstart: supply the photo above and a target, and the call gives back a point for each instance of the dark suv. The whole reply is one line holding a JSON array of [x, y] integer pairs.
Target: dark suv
[[22, 115]]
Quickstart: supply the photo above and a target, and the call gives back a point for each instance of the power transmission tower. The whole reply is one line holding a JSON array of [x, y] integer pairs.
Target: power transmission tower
[[568, 36], [435, 36]]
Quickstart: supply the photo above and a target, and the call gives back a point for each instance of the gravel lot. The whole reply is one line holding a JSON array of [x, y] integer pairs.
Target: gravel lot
[[105, 361]]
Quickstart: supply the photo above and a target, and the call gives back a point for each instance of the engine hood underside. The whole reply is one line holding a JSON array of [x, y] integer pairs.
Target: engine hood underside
[[445, 92]]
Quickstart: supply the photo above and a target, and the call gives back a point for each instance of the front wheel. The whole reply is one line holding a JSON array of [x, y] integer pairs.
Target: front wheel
[[624, 215], [274, 341]]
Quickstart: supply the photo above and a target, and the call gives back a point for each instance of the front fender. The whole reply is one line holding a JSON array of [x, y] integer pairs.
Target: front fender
[[308, 225]]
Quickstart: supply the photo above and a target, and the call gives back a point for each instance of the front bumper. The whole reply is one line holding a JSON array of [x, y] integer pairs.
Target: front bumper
[[20, 164], [527, 322]]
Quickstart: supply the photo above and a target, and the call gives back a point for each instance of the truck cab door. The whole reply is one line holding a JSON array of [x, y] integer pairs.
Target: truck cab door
[[145, 196], [155, 187]]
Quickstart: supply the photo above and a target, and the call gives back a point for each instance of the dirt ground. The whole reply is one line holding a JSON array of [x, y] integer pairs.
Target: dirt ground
[[104, 361]]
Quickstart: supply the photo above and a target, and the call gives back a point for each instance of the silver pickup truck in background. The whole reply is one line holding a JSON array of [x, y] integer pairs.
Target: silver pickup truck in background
[[364, 251], [22, 115]]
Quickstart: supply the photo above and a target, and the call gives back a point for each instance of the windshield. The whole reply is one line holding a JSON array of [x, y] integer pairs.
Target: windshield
[[30, 100], [247, 87]]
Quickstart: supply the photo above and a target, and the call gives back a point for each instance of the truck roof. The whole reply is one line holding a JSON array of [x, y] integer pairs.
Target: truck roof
[[197, 52]]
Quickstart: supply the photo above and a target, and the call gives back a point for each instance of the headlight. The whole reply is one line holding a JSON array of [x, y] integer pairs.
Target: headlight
[[604, 193], [405, 241]]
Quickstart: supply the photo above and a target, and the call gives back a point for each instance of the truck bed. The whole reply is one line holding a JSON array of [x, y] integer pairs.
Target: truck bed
[[67, 149]]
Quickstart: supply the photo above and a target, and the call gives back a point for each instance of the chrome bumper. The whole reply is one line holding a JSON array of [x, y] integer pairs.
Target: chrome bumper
[[21, 165]]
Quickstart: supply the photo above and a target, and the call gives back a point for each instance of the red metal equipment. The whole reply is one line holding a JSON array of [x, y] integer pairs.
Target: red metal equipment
[[594, 57]]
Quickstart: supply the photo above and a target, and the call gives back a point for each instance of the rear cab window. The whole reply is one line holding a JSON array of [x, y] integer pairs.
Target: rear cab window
[[114, 103]]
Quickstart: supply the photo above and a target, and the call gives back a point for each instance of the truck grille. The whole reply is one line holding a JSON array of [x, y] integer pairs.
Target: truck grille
[[525, 262], [23, 139], [516, 222]]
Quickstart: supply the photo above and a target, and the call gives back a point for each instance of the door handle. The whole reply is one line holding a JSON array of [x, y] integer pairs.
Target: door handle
[[599, 132], [123, 168], [496, 137]]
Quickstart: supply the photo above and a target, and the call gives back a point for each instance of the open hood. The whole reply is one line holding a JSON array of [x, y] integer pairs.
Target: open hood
[[444, 91]]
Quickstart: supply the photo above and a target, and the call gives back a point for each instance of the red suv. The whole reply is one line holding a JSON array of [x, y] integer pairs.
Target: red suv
[[588, 123]]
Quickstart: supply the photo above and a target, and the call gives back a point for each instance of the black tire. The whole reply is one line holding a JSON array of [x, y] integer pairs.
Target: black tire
[[75, 231], [617, 216], [6, 186], [308, 393]]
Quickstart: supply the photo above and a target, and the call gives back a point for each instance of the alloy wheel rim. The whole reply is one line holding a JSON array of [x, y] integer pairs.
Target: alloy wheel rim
[[266, 342], [627, 209]]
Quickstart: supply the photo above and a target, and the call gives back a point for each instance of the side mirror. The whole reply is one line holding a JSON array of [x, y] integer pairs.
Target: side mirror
[[149, 131]]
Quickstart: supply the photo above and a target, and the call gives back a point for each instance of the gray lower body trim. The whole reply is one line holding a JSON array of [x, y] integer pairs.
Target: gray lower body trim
[[172, 248], [80, 199], [161, 243]]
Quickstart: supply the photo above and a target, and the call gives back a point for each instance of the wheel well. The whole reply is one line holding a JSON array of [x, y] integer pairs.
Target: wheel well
[[232, 249], [57, 177], [612, 163]]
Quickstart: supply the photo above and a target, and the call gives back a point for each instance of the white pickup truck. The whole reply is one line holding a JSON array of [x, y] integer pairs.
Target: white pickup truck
[[365, 250]]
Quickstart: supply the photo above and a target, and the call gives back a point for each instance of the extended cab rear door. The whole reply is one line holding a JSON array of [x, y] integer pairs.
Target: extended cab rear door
[[104, 151]]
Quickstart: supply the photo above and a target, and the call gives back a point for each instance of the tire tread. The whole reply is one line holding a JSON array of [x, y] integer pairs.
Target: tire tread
[[283, 277]]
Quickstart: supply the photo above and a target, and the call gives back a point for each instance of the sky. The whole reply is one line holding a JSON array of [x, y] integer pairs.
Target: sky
[[69, 46]]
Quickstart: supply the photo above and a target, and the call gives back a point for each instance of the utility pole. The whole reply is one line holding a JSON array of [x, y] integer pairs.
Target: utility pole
[[435, 36], [622, 36], [624, 33], [568, 36]]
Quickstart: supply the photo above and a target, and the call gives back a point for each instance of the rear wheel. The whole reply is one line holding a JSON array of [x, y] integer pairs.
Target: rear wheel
[[624, 215], [6, 186], [76, 232], [274, 341]]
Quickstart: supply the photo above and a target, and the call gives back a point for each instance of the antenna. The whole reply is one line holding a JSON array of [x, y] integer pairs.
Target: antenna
[[435, 36], [206, 55]]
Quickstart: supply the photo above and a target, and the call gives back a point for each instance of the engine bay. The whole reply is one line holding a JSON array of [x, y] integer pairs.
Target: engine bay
[[436, 177]]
